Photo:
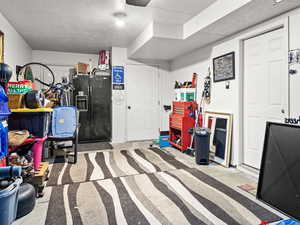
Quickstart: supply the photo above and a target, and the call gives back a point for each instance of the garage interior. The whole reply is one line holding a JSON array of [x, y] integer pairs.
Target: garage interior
[[149, 112]]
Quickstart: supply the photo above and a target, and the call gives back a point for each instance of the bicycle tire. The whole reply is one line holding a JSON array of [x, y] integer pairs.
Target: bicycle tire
[[43, 65]]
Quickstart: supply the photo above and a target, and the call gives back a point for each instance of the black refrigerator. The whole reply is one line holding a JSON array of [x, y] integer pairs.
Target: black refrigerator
[[92, 96]]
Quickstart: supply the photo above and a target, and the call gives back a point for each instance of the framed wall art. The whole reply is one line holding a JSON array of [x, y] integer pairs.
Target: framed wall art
[[220, 125], [1, 47], [294, 56], [224, 67]]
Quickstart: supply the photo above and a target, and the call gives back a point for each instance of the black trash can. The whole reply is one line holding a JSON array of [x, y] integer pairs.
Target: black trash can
[[202, 140]]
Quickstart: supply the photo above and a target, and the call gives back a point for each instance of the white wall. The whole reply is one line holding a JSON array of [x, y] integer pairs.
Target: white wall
[[119, 108], [62, 62], [119, 58], [16, 50], [230, 100], [69, 59]]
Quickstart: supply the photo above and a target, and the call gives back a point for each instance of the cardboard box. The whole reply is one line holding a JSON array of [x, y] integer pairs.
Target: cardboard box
[[16, 101], [82, 68]]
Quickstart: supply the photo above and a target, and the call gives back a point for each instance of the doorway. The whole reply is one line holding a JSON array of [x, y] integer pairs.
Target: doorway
[[265, 89], [142, 102]]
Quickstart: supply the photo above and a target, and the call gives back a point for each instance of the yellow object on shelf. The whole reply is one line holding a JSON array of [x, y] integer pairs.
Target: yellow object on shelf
[[32, 110]]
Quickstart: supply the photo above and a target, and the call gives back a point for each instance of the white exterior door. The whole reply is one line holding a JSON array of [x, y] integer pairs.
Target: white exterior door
[[265, 89], [142, 102]]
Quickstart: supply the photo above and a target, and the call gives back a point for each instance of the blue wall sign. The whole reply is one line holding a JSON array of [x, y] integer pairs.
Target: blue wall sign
[[118, 74]]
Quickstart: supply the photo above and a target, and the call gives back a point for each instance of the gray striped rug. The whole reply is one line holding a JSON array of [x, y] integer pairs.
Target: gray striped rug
[[109, 164], [145, 187], [84, 147]]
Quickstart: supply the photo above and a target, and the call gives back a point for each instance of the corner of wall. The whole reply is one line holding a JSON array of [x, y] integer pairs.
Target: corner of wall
[[119, 116], [16, 50]]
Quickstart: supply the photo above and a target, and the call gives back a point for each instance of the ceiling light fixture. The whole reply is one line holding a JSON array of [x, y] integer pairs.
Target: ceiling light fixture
[[120, 23], [277, 1], [120, 18]]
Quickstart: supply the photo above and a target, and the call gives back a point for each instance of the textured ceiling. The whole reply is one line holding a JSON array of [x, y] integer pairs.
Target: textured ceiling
[[86, 26], [252, 13]]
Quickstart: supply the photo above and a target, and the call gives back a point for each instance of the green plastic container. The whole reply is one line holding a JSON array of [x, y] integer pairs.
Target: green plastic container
[[187, 97]]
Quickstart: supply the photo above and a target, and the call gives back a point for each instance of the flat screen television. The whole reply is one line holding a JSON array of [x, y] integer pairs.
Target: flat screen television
[[279, 180]]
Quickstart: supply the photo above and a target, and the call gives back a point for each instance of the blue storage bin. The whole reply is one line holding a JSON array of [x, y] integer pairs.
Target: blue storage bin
[[164, 141], [288, 222], [3, 139], [4, 110], [64, 122], [9, 202]]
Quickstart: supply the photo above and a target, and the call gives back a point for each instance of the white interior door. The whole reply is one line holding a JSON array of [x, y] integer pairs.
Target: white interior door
[[142, 102], [295, 78], [295, 92], [265, 89]]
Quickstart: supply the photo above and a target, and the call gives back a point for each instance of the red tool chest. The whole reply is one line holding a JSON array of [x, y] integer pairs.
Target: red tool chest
[[181, 120]]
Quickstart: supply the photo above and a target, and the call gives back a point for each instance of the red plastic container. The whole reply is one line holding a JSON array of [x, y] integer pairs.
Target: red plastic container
[[37, 152], [20, 87], [3, 162]]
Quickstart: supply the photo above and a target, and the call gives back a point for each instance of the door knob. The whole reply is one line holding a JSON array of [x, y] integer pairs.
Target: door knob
[[129, 107], [282, 111]]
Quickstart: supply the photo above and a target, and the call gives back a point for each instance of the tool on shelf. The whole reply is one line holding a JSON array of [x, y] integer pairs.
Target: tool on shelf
[[205, 98]]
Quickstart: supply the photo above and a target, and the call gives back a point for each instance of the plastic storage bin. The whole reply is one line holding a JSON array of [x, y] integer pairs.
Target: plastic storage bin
[[288, 222], [3, 139], [9, 202], [3, 162], [64, 122], [36, 121], [20, 87], [4, 110], [164, 141], [185, 94]]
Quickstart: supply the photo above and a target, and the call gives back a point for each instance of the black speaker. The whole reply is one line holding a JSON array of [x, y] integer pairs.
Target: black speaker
[[279, 180]]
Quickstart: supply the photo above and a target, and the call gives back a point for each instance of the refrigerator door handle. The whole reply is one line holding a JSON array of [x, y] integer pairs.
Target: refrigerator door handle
[[89, 100], [91, 105]]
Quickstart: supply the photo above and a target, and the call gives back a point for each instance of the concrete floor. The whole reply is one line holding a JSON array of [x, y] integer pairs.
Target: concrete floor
[[230, 176]]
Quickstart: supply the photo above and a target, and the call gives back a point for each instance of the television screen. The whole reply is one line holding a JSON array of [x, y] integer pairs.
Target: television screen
[[279, 180]]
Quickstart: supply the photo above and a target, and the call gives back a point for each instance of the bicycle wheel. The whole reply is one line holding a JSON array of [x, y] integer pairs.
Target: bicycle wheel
[[39, 73]]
